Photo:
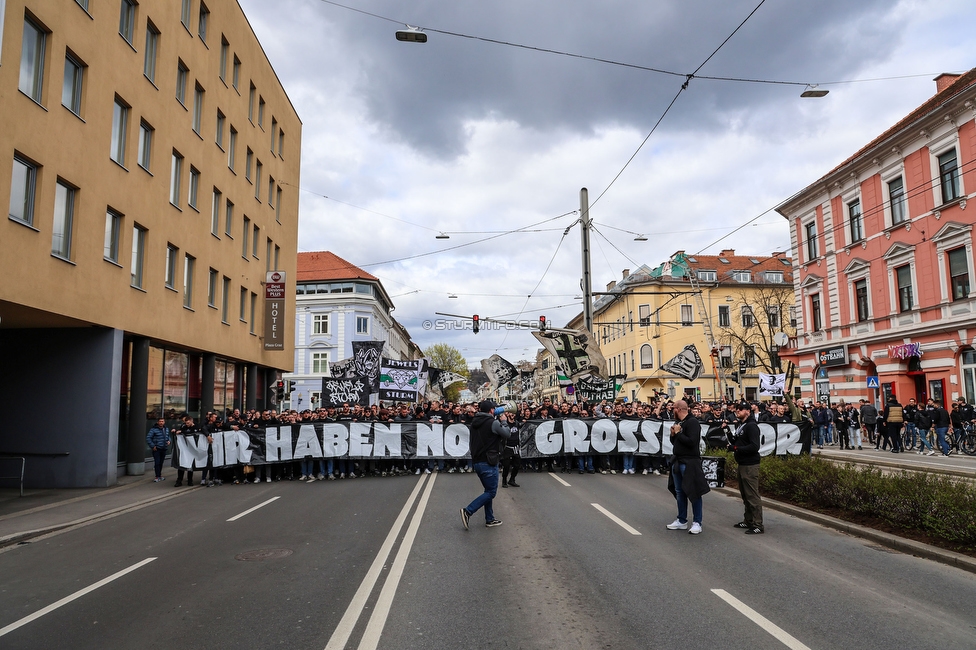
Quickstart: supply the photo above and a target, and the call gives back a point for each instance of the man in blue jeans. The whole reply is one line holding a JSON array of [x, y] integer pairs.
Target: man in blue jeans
[[157, 439], [687, 481], [487, 437]]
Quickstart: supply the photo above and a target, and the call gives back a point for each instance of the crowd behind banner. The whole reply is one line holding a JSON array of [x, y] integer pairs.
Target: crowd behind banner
[[354, 440]]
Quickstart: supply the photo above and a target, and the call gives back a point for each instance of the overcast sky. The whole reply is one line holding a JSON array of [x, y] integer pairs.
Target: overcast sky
[[402, 141]]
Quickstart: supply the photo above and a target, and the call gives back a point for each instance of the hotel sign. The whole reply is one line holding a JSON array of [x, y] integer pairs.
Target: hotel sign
[[274, 311], [835, 356]]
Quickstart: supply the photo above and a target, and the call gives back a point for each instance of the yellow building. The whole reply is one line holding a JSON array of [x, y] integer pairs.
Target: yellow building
[[150, 160], [648, 317]]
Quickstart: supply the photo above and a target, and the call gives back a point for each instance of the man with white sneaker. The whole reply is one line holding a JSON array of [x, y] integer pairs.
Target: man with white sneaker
[[687, 480]]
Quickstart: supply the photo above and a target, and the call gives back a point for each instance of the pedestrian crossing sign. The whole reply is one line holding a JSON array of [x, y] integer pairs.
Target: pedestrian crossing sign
[[873, 382]]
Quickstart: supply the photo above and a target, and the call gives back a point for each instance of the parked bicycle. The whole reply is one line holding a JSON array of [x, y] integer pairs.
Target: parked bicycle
[[963, 440]]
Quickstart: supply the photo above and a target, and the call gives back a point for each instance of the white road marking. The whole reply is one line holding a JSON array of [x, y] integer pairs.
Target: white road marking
[[381, 611], [342, 632], [559, 479], [617, 520], [760, 620], [249, 511], [67, 599]]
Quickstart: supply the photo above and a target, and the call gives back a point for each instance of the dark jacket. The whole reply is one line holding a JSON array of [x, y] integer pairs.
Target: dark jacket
[[746, 442], [821, 416], [940, 417], [687, 442], [693, 482], [157, 437], [486, 433]]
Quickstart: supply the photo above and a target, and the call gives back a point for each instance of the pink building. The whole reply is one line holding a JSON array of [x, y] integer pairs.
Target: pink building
[[883, 256]]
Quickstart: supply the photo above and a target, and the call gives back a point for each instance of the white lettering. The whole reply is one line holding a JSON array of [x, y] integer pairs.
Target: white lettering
[[546, 440], [359, 439], [603, 436], [629, 443], [307, 443], [335, 439], [386, 441], [430, 440], [457, 438]]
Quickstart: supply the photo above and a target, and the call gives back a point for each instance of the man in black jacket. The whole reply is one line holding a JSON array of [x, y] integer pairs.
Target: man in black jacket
[[745, 444], [687, 481], [487, 436]]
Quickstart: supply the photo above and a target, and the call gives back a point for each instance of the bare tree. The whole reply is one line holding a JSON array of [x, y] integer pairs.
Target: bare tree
[[756, 315]]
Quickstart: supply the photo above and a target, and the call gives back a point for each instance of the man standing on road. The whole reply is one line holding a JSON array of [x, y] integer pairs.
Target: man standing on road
[[158, 440], [940, 422], [487, 436], [687, 480], [745, 445], [893, 419], [869, 418]]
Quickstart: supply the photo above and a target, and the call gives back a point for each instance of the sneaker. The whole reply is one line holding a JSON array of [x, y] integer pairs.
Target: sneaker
[[352, 474], [267, 479], [211, 484], [341, 475], [931, 453], [656, 472], [331, 477], [742, 524], [695, 529], [464, 518], [513, 484], [303, 478], [644, 473], [157, 479], [493, 523], [178, 484], [677, 525], [450, 471], [320, 477], [426, 471], [504, 485], [311, 479], [754, 530], [613, 471]]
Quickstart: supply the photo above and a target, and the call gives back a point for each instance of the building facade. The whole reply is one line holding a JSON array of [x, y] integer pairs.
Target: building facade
[[338, 303], [150, 159], [883, 254], [651, 315]]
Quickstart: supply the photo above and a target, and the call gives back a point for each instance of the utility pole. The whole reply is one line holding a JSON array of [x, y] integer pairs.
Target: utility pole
[[585, 282]]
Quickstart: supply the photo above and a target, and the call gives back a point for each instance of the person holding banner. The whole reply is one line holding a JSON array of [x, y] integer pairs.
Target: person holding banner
[[745, 444], [687, 481], [487, 436]]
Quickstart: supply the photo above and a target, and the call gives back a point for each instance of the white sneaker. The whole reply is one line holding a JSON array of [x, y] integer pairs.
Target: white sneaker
[[303, 478], [677, 525], [341, 475], [418, 471], [644, 472], [321, 476], [931, 453], [695, 528], [426, 471], [311, 479], [267, 479]]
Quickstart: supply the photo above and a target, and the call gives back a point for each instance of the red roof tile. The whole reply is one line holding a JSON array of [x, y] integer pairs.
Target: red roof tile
[[327, 267]]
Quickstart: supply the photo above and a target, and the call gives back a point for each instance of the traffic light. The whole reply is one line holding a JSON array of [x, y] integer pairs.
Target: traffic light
[[734, 377], [475, 323], [542, 323], [279, 391], [288, 387]]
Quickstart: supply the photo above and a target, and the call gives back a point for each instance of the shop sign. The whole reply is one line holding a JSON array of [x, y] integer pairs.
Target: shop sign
[[835, 356], [904, 351], [274, 311]]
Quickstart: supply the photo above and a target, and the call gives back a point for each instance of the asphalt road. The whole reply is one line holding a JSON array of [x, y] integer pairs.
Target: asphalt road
[[386, 563]]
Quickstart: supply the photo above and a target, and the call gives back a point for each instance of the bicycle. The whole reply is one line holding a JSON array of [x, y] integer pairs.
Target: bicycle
[[964, 441]]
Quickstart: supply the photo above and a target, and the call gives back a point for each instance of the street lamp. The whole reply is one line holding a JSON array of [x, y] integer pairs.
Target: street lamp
[[812, 90], [640, 238], [411, 35], [442, 235]]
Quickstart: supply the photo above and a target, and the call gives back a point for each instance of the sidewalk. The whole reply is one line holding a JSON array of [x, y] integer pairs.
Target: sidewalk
[[42, 511]]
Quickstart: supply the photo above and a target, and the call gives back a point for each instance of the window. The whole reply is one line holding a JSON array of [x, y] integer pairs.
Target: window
[[362, 325], [958, 273], [646, 357], [811, 236], [643, 311], [242, 316], [229, 219], [749, 355], [247, 163], [145, 145], [775, 277], [74, 76], [194, 187], [152, 48], [120, 120], [261, 111], [172, 253], [816, 318], [175, 178], [896, 198], [949, 176], [220, 129], [203, 22], [254, 242], [250, 103], [257, 180], [772, 316], [185, 14], [197, 107], [854, 220], [23, 183], [225, 299], [189, 262], [83, 4], [274, 132], [903, 276], [212, 289], [277, 254], [127, 19], [32, 60], [747, 318], [742, 276], [224, 51], [686, 316], [725, 356], [724, 317], [267, 255], [271, 185], [237, 73], [254, 301], [278, 205], [113, 231], [861, 299], [231, 148], [215, 207], [244, 237], [138, 254], [281, 143], [320, 362], [182, 73], [320, 324], [708, 276], [64, 210]]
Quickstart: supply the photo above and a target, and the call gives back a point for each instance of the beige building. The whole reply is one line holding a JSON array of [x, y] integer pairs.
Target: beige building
[[150, 160], [650, 315]]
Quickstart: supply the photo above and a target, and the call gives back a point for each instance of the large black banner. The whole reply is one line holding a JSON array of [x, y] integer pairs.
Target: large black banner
[[538, 439]]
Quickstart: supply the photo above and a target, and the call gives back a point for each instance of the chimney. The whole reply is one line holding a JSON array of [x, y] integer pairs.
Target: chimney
[[945, 80], [611, 285], [728, 252], [626, 274]]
